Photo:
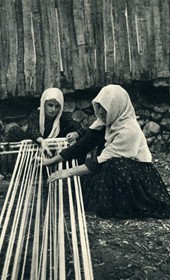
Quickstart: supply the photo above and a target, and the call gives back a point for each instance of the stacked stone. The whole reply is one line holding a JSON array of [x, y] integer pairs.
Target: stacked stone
[[154, 121], [82, 111]]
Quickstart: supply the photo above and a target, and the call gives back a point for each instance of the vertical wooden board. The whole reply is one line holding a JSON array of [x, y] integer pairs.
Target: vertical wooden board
[[50, 44], [37, 30], [150, 39], [29, 49], [20, 91], [122, 64], [64, 14], [11, 74], [81, 44], [89, 41], [97, 8], [109, 47], [134, 55], [157, 37], [47, 82], [165, 36], [3, 51], [142, 37], [78, 44], [54, 43]]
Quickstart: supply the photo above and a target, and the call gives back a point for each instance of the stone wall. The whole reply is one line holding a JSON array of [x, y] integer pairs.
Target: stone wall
[[155, 123], [154, 119]]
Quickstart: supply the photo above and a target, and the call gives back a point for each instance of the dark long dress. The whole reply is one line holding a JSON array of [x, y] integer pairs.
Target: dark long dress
[[120, 187]]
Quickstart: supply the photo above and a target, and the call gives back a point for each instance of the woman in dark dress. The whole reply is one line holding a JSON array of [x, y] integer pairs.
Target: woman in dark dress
[[122, 180], [49, 121]]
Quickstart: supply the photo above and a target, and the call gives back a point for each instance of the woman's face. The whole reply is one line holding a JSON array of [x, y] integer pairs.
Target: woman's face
[[52, 108], [102, 113]]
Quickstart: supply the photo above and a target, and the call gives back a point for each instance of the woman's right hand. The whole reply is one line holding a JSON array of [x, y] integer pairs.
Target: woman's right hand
[[45, 148]]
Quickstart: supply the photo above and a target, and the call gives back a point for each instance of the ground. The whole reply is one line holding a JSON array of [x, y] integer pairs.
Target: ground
[[128, 249], [132, 249]]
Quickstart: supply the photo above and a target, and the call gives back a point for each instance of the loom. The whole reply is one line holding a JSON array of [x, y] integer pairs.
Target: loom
[[43, 227]]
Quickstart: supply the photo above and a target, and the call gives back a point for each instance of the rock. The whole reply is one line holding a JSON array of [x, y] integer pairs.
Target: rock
[[79, 115], [161, 108], [148, 105], [151, 128], [1, 177], [141, 122], [167, 114], [159, 137], [83, 104], [156, 146], [165, 135], [165, 123], [145, 114], [69, 106], [150, 140], [156, 116]]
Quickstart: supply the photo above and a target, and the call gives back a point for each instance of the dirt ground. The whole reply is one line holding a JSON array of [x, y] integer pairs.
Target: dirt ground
[[128, 249]]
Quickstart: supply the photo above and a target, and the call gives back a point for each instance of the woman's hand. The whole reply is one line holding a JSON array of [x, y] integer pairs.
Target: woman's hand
[[45, 148], [61, 174], [72, 137]]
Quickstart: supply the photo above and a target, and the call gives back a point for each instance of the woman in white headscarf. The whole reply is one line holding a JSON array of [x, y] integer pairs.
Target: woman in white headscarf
[[49, 121], [123, 180]]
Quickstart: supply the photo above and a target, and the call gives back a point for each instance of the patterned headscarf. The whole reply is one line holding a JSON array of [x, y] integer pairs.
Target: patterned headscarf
[[51, 93], [124, 137]]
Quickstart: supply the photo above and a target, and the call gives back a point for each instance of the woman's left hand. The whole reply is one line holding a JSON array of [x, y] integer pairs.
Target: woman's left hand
[[72, 137], [61, 174]]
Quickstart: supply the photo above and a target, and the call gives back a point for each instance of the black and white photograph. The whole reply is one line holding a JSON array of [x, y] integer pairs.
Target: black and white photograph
[[84, 139]]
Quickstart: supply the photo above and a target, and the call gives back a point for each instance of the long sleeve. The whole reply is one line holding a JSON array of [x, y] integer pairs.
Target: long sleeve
[[87, 143], [33, 131], [67, 124]]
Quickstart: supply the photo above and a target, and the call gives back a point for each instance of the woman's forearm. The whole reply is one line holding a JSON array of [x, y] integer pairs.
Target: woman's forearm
[[57, 159], [53, 160], [79, 170], [65, 173]]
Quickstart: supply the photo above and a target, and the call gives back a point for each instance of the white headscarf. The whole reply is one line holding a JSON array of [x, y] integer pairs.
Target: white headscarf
[[51, 93], [124, 137]]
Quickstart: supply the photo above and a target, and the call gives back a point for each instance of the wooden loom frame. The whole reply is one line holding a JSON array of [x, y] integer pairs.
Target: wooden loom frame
[[25, 192]]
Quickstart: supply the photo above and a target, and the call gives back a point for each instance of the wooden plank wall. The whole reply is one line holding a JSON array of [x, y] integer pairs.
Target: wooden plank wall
[[81, 44]]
